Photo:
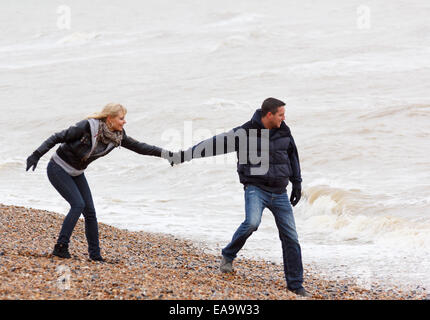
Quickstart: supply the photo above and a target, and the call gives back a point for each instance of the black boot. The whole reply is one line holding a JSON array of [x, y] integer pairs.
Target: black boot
[[97, 258], [301, 292], [61, 250]]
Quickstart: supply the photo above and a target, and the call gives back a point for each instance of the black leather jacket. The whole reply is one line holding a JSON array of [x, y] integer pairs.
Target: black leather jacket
[[76, 144]]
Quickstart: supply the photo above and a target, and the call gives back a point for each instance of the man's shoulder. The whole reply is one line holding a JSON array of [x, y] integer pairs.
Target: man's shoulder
[[249, 125]]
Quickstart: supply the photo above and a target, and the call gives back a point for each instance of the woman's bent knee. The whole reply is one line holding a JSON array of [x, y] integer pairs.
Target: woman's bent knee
[[89, 213]]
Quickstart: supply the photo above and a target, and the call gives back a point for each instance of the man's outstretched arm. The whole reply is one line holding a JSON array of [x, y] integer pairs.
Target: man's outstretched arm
[[220, 144]]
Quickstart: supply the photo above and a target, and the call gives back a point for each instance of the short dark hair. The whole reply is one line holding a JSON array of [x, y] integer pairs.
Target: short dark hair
[[271, 105]]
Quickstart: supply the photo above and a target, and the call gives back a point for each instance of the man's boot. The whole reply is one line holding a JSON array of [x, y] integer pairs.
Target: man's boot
[[226, 265]]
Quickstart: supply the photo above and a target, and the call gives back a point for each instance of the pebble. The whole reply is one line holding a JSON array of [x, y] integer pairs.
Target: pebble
[[139, 265]]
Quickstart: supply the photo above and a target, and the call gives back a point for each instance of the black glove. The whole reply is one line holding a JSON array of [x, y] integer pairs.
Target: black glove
[[296, 194], [168, 155], [33, 160], [180, 157], [173, 157]]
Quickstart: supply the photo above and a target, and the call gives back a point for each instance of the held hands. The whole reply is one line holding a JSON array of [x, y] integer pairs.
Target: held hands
[[33, 160], [296, 194], [174, 157]]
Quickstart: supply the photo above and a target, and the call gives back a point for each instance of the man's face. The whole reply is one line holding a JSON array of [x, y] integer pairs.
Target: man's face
[[277, 118]]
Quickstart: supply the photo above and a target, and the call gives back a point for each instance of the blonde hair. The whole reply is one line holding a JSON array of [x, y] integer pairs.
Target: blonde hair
[[111, 109]]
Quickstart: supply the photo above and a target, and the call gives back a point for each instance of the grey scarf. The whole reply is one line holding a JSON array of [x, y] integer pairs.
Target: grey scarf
[[106, 136]]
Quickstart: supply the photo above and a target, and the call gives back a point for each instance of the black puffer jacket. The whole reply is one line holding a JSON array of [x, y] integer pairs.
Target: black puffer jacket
[[76, 143], [283, 166]]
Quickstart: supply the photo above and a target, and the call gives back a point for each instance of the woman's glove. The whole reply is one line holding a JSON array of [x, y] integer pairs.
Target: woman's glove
[[33, 160], [177, 158], [173, 157]]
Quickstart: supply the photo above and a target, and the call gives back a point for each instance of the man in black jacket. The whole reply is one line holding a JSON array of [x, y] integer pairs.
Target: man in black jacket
[[267, 160]]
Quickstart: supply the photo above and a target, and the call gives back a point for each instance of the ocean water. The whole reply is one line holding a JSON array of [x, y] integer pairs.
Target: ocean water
[[355, 79]]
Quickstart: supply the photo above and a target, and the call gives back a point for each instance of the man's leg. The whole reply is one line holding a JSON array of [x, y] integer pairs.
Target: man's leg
[[254, 206], [292, 256]]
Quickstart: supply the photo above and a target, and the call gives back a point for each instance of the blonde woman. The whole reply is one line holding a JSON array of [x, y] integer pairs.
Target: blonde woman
[[81, 144]]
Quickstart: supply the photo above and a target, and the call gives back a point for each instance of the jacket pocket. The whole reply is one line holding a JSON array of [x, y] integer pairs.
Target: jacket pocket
[[82, 146], [283, 170]]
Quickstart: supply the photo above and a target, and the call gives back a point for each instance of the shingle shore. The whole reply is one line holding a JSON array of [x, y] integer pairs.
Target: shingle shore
[[141, 265]]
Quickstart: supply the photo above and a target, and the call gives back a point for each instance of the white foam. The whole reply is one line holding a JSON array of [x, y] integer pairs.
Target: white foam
[[79, 38], [237, 20], [339, 216]]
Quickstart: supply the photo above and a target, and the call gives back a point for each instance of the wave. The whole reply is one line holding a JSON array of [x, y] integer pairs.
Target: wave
[[364, 63], [236, 41], [223, 104], [229, 20], [79, 38], [45, 62], [7, 165], [342, 199], [414, 110], [241, 39], [44, 42], [352, 216]]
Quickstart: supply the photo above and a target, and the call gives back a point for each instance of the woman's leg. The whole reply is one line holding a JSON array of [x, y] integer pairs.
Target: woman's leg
[[91, 226], [68, 189]]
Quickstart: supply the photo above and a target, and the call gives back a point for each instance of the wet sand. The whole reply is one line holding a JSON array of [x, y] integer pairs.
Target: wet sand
[[141, 265]]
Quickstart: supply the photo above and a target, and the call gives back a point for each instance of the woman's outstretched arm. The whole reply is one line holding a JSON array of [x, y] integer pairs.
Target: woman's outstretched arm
[[73, 133], [141, 147]]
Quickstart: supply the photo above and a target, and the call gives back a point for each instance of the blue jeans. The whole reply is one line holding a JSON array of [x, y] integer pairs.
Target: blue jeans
[[77, 193], [256, 200]]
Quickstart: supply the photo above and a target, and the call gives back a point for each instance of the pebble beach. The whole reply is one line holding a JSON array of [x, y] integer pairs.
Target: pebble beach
[[141, 265]]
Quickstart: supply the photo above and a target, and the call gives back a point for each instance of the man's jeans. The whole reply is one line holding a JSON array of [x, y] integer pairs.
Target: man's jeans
[[256, 200], [77, 193]]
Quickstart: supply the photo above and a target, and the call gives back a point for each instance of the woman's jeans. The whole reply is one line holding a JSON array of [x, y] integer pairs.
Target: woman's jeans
[[78, 194], [256, 200]]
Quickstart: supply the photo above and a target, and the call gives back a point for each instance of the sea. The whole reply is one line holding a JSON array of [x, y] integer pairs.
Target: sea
[[355, 79]]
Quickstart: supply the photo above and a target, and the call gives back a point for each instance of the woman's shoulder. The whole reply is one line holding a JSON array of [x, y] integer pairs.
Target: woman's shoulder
[[83, 123], [80, 126]]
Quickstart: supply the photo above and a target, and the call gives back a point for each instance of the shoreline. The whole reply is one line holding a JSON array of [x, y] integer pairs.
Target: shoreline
[[143, 265]]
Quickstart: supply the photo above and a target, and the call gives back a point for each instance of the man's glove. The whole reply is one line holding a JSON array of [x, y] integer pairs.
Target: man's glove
[[33, 160], [177, 157], [173, 157], [296, 194]]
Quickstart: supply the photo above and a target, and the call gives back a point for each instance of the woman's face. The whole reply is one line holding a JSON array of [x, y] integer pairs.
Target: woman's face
[[116, 123]]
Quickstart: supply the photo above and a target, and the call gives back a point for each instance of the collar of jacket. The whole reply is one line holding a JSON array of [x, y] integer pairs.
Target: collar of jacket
[[94, 127], [284, 130]]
